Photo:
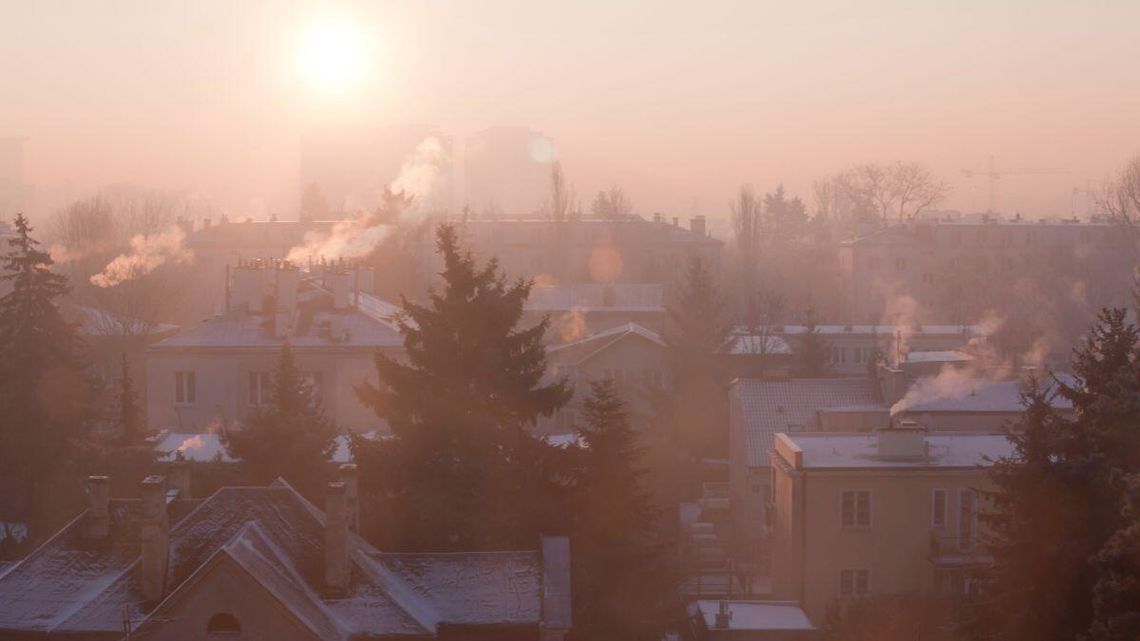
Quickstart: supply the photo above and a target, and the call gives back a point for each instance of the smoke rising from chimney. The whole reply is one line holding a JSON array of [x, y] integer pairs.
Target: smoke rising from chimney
[[358, 236], [146, 254]]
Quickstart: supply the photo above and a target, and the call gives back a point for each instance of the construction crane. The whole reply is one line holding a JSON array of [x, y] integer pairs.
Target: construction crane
[[992, 174]]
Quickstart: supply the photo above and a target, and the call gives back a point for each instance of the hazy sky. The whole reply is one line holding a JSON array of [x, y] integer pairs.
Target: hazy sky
[[680, 102]]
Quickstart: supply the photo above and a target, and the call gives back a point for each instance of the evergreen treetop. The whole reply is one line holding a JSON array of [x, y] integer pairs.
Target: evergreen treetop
[[291, 437]]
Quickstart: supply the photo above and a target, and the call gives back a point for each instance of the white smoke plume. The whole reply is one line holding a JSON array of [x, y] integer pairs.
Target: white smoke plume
[[420, 172], [357, 237], [950, 383], [146, 254]]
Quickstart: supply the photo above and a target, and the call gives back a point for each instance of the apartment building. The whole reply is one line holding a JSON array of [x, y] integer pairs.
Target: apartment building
[[761, 408], [632, 356], [592, 250], [957, 268], [219, 372], [581, 309], [894, 511], [853, 348]]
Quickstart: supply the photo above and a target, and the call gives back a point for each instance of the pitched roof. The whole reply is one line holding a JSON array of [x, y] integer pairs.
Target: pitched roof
[[583, 349], [932, 394], [767, 407], [368, 325], [72, 584]]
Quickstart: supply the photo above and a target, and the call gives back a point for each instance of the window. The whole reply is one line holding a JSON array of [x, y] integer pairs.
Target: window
[[928, 278], [938, 509], [854, 582], [223, 623], [185, 390], [855, 508], [967, 518], [259, 386], [900, 264]]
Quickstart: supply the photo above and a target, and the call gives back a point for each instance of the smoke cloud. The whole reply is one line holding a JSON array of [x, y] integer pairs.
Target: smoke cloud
[[358, 236], [146, 254]]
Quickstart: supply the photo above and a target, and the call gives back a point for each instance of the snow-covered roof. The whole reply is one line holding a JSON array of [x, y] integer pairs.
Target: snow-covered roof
[[72, 585], [755, 615], [856, 451], [766, 407], [927, 395], [886, 331], [585, 348], [367, 327], [938, 356], [208, 446]]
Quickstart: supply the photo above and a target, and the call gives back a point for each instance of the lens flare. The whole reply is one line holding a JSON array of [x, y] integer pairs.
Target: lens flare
[[331, 55]]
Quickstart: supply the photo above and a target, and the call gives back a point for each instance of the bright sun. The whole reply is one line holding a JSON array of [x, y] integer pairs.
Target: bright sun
[[331, 56]]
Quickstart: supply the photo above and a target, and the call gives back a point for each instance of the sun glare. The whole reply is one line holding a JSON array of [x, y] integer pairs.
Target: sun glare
[[331, 56]]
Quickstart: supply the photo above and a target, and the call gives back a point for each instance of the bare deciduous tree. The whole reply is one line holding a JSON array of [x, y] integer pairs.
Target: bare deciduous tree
[[612, 204], [1120, 197], [746, 227], [561, 203]]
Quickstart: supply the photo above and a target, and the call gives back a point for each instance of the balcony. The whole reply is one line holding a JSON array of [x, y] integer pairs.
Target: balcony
[[954, 551]]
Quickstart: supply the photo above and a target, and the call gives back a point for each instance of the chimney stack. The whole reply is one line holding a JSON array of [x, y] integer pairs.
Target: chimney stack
[[179, 476], [288, 278], [98, 520], [723, 616], [351, 495], [339, 282], [336, 538], [248, 288], [904, 441], [154, 537], [697, 225]]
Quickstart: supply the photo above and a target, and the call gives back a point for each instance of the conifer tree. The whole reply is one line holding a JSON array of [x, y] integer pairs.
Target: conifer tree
[[624, 585], [1057, 519], [44, 399], [290, 437], [463, 472], [129, 412], [813, 356], [695, 413]]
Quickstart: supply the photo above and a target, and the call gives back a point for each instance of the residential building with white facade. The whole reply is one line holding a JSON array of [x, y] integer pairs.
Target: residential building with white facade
[[216, 374]]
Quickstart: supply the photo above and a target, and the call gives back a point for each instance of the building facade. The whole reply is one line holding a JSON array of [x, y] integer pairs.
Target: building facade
[[896, 511], [219, 372], [950, 270]]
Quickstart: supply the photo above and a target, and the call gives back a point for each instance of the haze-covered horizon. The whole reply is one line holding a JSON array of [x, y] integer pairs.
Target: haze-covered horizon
[[676, 104]]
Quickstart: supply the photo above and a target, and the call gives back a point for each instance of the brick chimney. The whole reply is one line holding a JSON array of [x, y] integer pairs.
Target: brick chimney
[[351, 495], [336, 538], [97, 523], [154, 537], [179, 477]]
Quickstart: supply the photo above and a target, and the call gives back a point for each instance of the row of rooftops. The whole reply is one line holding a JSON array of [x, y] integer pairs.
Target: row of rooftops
[[125, 563]]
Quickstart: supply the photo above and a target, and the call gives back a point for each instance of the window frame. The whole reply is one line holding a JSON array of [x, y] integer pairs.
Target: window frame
[[854, 591], [185, 388], [855, 521], [935, 523]]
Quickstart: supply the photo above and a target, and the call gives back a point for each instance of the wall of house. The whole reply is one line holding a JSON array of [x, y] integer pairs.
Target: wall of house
[[895, 549], [629, 361], [225, 588], [749, 489], [223, 385], [850, 353]]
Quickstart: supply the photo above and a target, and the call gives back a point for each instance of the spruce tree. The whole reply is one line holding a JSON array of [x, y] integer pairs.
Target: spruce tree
[[1057, 520], [463, 471], [44, 400], [695, 412], [129, 413], [624, 585], [813, 356], [290, 437]]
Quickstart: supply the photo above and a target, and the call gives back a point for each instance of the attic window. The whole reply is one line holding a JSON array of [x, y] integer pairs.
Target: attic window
[[223, 624]]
